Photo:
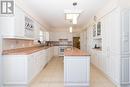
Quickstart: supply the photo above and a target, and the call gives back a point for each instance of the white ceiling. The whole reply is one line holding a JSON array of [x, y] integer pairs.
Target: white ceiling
[[52, 11]]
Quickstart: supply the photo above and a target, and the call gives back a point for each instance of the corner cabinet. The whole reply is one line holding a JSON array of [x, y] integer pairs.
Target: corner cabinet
[[14, 26]]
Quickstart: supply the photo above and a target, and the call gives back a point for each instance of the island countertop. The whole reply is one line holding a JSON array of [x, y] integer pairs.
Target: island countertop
[[75, 52], [24, 51]]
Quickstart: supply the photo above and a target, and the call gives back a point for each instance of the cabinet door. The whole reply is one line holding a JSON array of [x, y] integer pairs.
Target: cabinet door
[[31, 67], [56, 50], [46, 36], [7, 26], [19, 22], [44, 58], [76, 71]]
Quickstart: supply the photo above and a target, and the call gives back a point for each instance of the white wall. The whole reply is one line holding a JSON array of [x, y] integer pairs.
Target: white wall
[[55, 36], [13, 44]]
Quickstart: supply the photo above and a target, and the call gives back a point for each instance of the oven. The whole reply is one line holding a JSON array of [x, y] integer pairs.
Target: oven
[[61, 50]]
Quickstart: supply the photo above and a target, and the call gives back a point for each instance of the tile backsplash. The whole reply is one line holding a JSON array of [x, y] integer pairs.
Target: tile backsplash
[[14, 44]]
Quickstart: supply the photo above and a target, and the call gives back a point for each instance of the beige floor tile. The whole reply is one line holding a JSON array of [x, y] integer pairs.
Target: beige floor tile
[[53, 76]]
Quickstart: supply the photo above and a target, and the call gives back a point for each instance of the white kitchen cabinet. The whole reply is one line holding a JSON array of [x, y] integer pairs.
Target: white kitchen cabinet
[[15, 70], [19, 22], [108, 59], [39, 33], [20, 70], [52, 52], [76, 71], [46, 36], [56, 50], [14, 26], [7, 26], [36, 31], [49, 54]]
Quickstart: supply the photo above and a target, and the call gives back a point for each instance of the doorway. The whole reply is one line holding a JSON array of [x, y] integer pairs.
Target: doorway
[[76, 42]]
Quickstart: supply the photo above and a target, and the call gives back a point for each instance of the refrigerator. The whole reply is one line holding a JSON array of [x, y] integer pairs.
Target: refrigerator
[[0, 61]]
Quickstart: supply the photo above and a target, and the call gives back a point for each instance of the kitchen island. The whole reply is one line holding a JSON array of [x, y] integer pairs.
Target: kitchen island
[[76, 68]]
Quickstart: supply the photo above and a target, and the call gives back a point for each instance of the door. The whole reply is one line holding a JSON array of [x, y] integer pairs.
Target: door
[[76, 42]]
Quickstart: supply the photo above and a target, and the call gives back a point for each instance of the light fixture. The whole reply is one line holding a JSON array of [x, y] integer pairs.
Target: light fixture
[[75, 17], [70, 29], [73, 14]]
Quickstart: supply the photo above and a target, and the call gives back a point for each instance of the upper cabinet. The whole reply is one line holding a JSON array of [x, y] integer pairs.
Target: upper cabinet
[[46, 36], [94, 30], [29, 27], [97, 30], [40, 33], [19, 26], [19, 23], [97, 37]]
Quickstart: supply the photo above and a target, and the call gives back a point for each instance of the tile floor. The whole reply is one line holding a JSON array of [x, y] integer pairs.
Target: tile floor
[[52, 76]]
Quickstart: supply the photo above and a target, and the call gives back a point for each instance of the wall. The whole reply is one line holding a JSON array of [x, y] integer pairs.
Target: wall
[[55, 36], [13, 44]]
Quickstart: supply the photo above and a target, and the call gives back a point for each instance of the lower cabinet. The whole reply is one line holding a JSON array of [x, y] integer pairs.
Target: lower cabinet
[[56, 50], [36, 62], [76, 71], [20, 70], [108, 63]]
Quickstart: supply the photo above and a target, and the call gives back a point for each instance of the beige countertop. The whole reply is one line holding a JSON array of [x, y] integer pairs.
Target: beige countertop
[[24, 51], [75, 52]]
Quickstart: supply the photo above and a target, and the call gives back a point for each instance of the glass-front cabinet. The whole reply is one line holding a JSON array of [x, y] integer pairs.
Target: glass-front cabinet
[[94, 30], [97, 38], [98, 28]]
